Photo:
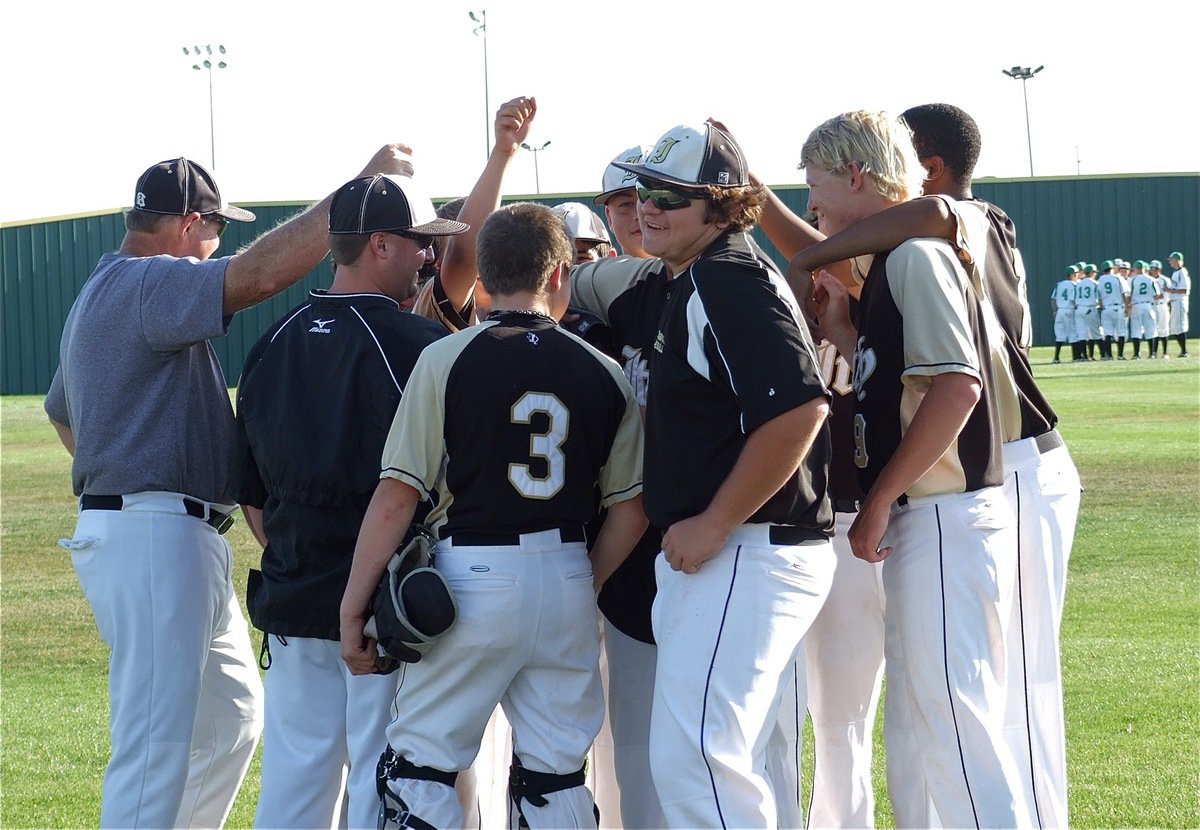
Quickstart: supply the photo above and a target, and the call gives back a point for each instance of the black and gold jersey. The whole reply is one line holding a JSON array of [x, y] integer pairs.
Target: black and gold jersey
[[919, 316], [512, 425]]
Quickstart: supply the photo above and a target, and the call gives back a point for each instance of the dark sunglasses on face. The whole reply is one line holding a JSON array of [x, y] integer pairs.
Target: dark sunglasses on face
[[220, 221], [665, 198], [422, 240]]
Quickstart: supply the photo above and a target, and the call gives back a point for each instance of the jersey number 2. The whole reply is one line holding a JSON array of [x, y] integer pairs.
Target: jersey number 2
[[547, 445]]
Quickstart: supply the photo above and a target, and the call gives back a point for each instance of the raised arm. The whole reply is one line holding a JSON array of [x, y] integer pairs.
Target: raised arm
[[459, 272], [284, 254]]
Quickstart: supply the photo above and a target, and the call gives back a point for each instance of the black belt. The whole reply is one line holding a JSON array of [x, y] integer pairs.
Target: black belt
[[469, 538], [1047, 441], [792, 535], [193, 507], [845, 505]]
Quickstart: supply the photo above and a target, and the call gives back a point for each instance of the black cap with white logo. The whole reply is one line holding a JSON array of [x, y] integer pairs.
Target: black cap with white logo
[[178, 187]]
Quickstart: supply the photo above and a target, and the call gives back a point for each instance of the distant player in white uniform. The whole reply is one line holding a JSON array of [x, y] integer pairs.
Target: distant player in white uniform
[[1087, 312], [1062, 303], [1143, 324], [1162, 312], [1113, 299], [1180, 288], [513, 428]]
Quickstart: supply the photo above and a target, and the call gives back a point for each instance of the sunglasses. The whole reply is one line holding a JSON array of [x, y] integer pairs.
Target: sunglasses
[[220, 221], [666, 198], [421, 239]]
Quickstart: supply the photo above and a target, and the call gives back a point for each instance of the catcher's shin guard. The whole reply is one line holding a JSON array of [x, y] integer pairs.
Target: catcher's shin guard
[[413, 606], [394, 813], [569, 805]]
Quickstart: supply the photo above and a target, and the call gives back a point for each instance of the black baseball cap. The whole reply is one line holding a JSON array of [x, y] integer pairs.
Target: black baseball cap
[[178, 187], [387, 203], [693, 156]]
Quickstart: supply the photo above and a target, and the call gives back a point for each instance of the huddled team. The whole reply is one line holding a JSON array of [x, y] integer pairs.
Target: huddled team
[[1132, 301], [680, 500]]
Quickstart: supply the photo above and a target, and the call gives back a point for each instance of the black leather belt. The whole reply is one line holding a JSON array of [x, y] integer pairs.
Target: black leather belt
[[792, 535], [1048, 441], [193, 507], [468, 538]]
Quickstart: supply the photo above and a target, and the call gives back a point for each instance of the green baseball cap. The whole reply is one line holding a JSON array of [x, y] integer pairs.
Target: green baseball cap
[[1141, 263], [1071, 270], [1108, 264], [1175, 255], [1154, 263], [1089, 268]]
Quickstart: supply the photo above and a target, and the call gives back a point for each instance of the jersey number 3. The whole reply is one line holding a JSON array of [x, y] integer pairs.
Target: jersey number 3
[[546, 445]]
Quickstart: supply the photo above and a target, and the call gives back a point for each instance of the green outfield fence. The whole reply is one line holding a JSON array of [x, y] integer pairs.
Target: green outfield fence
[[1059, 221]]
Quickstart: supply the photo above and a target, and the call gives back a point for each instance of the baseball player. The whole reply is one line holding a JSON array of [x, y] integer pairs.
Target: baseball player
[[1123, 273], [1180, 288], [618, 197], [1087, 312], [148, 420], [1162, 313], [1114, 297], [1143, 294], [746, 559], [315, 403], [1062, 303], [509, 427], [586, 230], [925, 385]]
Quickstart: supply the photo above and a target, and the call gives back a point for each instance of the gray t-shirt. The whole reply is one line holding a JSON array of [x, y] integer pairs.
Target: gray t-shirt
[[139, 384]]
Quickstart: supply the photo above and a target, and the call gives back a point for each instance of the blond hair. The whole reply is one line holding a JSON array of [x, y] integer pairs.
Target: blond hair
[[879, 143]]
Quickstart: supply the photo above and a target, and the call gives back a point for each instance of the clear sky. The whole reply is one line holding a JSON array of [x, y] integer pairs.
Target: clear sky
[[96, 92]]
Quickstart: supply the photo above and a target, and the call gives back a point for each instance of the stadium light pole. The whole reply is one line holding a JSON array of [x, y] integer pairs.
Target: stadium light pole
[[1024, 73], [481, 29], [537, 179], [204, 59]]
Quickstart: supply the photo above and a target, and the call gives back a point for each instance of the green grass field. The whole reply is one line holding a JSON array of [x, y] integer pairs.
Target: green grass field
[[1131, 631]]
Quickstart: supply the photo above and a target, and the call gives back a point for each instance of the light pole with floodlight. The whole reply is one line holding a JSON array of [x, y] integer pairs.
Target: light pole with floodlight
[[1024, 73], [487, 106], [208, 64], [536, 177]]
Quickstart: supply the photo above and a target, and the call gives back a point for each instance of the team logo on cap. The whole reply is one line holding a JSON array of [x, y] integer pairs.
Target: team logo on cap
[[723, 177], [141, 199], [662, 150]]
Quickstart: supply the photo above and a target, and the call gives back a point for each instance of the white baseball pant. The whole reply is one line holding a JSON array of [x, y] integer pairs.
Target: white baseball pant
[[1043, 486], [526, 637], [1162, 319], [1087, 324], [1112, 321], [1179, 318], [325, 730], [949, 583], [1142, 324], [728, 637], [844, 654], [1064, 325], [185, 694]]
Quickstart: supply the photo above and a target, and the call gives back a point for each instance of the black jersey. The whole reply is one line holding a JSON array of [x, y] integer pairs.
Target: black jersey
[[730, 354], [1003, 276], [509, 427], [315, 402], [919, 316], [628, 295]]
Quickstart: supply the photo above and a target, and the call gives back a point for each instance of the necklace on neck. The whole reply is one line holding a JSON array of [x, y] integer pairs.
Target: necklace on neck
[[497, 313]]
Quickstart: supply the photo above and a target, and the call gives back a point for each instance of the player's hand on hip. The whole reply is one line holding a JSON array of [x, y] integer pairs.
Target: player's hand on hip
[[866, 533], [358, 652], [690, 543]]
